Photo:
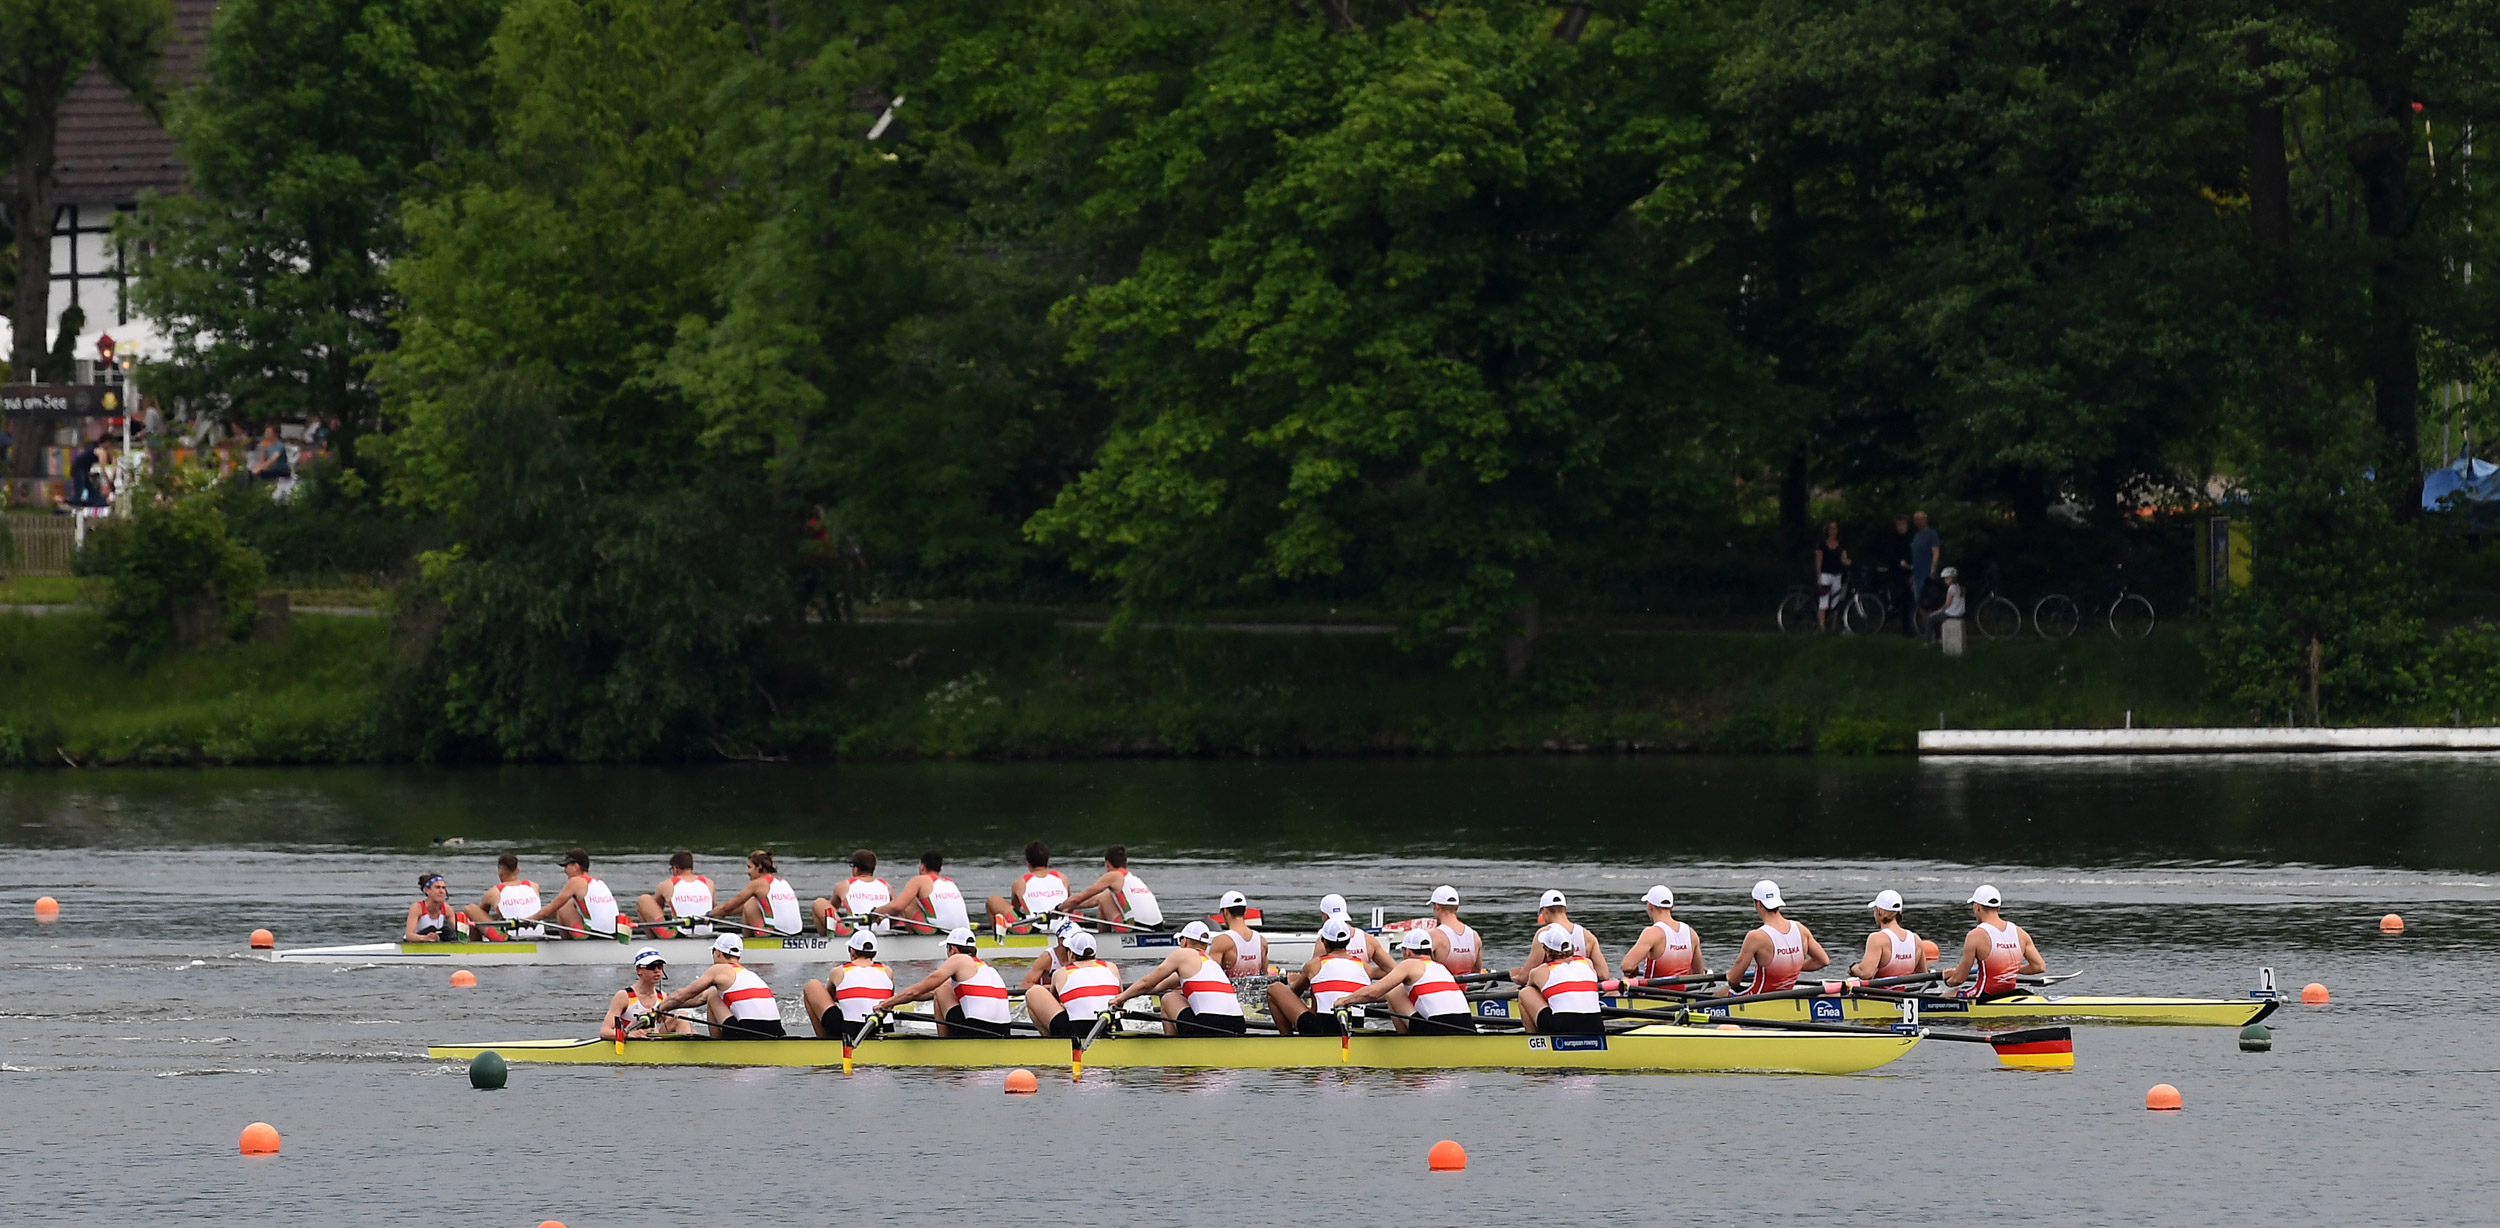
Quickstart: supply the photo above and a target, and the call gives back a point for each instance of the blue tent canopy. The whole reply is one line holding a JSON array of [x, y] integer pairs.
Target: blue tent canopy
[[2464, 484]]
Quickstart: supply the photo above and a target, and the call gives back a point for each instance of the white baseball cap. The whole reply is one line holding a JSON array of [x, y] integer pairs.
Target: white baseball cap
[[1556, 938], [1066, 926], [1887, 899], [648, 956], [730, 944], [962, 936], [1552, 899], [1233, 899], [1445, 894], [1079, 943], [1196, 931], [862, 940], [1336, 930], [1987, 895], [1767, 894], [1659, 897], [1332, 905], [1417, 940]]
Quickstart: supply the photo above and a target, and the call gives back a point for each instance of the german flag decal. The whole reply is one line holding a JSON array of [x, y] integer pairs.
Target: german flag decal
[[2036, 1049]]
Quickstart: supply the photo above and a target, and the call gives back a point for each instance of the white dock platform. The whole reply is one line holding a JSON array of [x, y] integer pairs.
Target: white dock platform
[[2201, 741]]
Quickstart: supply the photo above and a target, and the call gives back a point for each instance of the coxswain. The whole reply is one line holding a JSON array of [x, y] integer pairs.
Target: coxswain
[[1554, 909], [971, 997], [1078, 992], [1240, 950], [1042, 891], [635, 1009], [1558, 996], [930, 901], [838, 1009], [1120, 897], [1891, 950], [583, 907], [1667, 947], [1454, 943], [1197, 998], [2000, 949], [1424, 999], [1333, 974], [739, 1003], [1365, 946], [862, 893], [1775, 951], [430, 918], [767, 902], [683, 893], [510, 901]]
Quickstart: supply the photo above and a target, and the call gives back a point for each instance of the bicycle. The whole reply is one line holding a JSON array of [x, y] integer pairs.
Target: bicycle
[[1854, 611], [1996, 615], [2129, 615]]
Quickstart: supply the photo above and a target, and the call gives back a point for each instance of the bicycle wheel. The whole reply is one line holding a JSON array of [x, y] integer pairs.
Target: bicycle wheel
[[2056, 617], [2000, 619], [2131, 617], [1864, 614], [1796, 613]]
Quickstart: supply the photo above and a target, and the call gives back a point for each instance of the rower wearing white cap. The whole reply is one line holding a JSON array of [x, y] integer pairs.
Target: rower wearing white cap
[[1332, 974], [1424, 999], [1119, 895], [1775, 951], [1667, 947], [1078, 992], [1240, 950], [1454, 943], [1364, 945], [1892, 950], [857, 987], [635, 1009], [1559, 995], [1554, 909], [971, 997], [2000, 949], [1200, 1000], [740, 1004]]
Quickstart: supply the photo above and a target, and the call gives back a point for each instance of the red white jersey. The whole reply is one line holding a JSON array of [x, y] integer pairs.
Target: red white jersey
[[1677, 949], [1085, 986], [598, 907], [1787, 959], [781, 907], [946, 903], [432, 918], [1901, 953], [1044, 891], [860, 987], [516, 899], [1137, 902], [983, 995], [1571, 986], [1339, 974], [2002, 962], [1249, 953], [1466, 950], [1436, 992], [861, 895], [689, 895], [748, 997], [1209, 992]]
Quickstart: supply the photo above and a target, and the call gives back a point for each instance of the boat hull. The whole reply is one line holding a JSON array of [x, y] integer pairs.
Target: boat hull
[[2185, 1012], [1287, 949], [1662, 1048]]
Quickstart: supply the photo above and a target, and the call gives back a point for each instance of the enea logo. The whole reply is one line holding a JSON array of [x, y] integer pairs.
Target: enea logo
[[1493, 1010], [1828, 1010]]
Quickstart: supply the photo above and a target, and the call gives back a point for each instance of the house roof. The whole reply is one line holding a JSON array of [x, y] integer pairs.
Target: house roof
[[109, 148]]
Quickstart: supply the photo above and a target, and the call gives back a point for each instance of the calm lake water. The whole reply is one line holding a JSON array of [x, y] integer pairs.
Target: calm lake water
[[139, 1041]]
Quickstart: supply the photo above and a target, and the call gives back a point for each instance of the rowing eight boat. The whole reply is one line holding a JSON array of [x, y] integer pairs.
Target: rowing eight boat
[[1659, 1047], [2194, 1012], [1289, 950]]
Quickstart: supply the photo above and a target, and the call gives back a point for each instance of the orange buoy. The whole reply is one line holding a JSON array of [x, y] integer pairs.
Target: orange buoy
[[262, 940], [46, 908], [1020, 1082], [1446, 1156], [551, 1223], [2163, 1096], [1928, 947], [2391, 924], [463, 979], [260, 1139], [2313, 993]]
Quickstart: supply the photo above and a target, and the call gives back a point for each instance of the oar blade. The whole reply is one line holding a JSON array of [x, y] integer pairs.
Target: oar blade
[[2036, 1049]]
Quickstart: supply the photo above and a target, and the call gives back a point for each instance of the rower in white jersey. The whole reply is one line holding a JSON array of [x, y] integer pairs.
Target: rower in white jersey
[[1333, 974], [633, 1012], [1776, 951], [1424, 999], [1553, 910], [1892, 950], [683, 893], [1121, 897], [1454, 944], [1035, 899], [1997, 949], [583, 907], [930, 902], [507, 904], [767, 904], [1197, 998], [1079, 991], [1365, 945], [971, 997], [738, 1002], [1667, 947], [840, 1008], [1559, 995], [430, 918], [1238, 949], [860, 894]]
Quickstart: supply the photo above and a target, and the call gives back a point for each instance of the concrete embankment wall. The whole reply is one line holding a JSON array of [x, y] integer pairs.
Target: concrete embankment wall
[[2200, 741]]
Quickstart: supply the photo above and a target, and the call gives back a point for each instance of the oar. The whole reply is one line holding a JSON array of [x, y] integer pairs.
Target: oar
[[855, 1037], [2032, 1049], [1076, 1051], [1819, 989], [1345, 1036], [1082, 918]]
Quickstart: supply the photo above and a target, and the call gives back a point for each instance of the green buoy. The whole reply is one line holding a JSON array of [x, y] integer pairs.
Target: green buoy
[[2253, 1039], [487, 1073]]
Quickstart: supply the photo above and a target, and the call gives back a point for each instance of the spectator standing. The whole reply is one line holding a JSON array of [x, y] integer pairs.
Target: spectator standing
[[1926, 557], [269, 459], [84, 466], [1949, 617], [1831, 568], [1897, 577]]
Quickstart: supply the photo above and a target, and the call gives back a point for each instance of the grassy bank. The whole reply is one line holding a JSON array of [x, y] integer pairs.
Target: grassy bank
[[1024, 687]]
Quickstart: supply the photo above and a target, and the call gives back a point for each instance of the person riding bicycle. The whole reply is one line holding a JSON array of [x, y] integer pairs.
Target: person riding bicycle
[[1831, 569]]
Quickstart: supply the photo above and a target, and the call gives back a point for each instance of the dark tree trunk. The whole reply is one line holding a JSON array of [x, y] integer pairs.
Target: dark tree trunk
[[1519, 648], [2394, 360], [1795, 533], [30, 214], [1575, 21]]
